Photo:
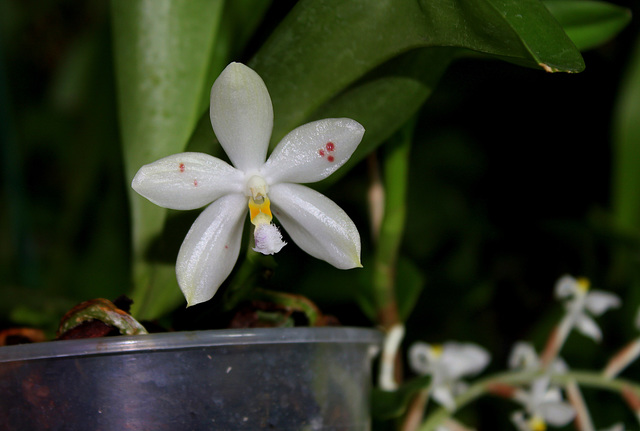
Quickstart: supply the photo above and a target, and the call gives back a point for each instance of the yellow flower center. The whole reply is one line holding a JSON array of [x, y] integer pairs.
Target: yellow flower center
[[259, 203], [583, 284], [260, 210], [537, 424], [436, 350]]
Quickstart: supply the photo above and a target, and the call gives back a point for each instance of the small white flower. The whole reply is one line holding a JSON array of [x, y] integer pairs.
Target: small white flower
[[580, 300], [524, 357], [447, 364], [542, 405], [242, 119]]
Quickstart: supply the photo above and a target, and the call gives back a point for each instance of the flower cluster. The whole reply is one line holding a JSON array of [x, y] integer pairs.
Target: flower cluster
[[542, 380]]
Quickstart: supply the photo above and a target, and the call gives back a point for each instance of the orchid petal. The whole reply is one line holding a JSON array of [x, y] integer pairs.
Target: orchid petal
[[186, 181], [566, 286], [588, 327], [538, 391], [523, 356], [313, 151], [444, 397], [463, 359], [557, 413], [242, 116], [319, 226], [211, 248], [597, 302], [419, 358]]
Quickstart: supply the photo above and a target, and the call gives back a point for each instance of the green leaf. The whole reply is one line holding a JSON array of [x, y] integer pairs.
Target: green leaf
[[162, 51], [392, 404], [626, 161], [589, 23], [387, 98], [323, 46], [409, 285]]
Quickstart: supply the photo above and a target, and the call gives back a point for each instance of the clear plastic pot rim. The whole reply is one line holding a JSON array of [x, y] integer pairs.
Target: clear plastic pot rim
[[190, 340]]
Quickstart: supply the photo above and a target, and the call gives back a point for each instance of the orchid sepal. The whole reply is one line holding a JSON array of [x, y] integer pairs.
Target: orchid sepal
[[241, 114]]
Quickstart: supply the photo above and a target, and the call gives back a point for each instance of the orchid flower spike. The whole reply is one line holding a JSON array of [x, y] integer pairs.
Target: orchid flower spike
[[447, 364], [242, 119], [580, 300]]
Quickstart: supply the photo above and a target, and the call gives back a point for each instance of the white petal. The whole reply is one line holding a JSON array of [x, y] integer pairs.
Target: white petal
[[588, 327], [242, 116], [597, 301], [313, 151], [443, 395], [566, 286], [524, 356], [319, 226], [464, 359], [539, 389], [211, 248], [520, 421], [557, 414], [419, 358], [186, 181]]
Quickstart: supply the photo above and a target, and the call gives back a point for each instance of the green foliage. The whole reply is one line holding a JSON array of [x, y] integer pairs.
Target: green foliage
[[589, 23], [392, 404]]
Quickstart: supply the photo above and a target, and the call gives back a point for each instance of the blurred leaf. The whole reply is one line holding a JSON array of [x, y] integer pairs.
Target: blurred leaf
[[409, 285], [240, 18], [626, 169], [589, 23], [392, 404], [323, 46], [162, 52]]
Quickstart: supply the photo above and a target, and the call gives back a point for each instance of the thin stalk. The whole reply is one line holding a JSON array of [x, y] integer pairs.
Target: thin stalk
[[395, 182], [483, 387]]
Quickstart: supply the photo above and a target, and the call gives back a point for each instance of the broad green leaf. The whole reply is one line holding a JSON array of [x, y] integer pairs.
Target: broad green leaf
[[239, 20], [589, 23], [323, 46], [626, 157], [162, 52], [387, 98]]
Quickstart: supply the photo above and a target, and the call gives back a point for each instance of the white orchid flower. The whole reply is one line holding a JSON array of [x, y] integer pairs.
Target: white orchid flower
[[543, 405], [524, 357], [447, 364], [581, 300], [242, 119]]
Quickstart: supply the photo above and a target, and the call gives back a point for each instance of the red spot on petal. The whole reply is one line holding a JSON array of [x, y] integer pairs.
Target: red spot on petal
[[181, 166], [226, 246], [330, 146], [330, 158], [195, 183], [321, 152]]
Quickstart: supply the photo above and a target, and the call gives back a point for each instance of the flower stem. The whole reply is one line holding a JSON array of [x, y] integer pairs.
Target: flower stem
[[395, 169], [483, 387]]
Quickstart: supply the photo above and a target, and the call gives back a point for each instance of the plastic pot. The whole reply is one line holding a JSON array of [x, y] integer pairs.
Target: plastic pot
[[249, 379]]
